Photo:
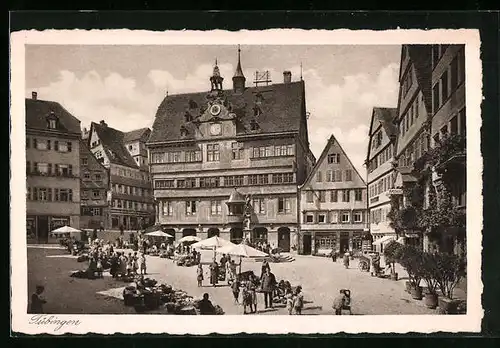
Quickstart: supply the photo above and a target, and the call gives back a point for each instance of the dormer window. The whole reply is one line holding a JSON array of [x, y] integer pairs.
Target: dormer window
[[259, 98], [52, 120], [257, 111], [184, 131], [254, 125]]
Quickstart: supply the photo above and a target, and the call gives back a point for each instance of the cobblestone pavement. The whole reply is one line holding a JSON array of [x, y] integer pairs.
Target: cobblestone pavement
[[320, 278]]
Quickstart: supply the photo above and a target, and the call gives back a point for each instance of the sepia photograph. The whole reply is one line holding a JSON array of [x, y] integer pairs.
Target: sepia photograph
[[238, 178]]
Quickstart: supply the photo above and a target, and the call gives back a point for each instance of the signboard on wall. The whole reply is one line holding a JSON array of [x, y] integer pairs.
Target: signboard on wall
[[395, 192]]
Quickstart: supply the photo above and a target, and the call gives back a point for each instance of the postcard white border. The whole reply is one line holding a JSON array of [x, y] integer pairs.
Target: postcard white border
[[199, 325]]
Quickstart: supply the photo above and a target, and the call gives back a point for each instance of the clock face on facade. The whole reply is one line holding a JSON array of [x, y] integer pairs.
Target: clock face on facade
[[215, 128], [215, 109]]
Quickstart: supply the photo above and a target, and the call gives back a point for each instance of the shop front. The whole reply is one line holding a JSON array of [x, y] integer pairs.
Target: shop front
[[38, 227], [325, 242]]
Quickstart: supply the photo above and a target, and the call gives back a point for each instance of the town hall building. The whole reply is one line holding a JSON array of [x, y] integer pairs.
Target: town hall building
[[228, 162]]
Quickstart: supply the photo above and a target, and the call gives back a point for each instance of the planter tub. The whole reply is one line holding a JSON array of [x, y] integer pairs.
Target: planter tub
[[448, 306], [431, 300], [394, 276], [416, 293]]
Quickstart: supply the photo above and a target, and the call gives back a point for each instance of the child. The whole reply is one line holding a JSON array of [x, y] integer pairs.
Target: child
[[299, 300], [99, 268], [289, 302], [37, 301], [235, 287], [135, 264], [199, 275], [143, 264], [339, 302]]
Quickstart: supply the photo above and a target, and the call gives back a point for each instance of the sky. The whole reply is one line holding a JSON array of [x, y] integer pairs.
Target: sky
[[124, 85]]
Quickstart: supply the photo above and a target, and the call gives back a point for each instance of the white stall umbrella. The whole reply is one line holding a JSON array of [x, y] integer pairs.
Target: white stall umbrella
[[65, 229], [212, 242], [159, 234], [189, 239], [241, 250]]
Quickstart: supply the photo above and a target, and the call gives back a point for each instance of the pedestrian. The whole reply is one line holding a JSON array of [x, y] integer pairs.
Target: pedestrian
[[289, 302], [37, 300], [334, 256], [99, 268], [252, 289], [143, 264], [298, 302], [268, 284], [144, 246], [214, 273], [338, 303], [346, 259], [135, 263], [265, 266], [235, 287], [199, 275]]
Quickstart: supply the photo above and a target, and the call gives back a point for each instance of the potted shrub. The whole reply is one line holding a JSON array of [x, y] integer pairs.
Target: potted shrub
[[411, 260], [450, 270], [430, 274], [392, 253]]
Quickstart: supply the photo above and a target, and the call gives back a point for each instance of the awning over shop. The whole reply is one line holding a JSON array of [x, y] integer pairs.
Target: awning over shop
[[384, 240]]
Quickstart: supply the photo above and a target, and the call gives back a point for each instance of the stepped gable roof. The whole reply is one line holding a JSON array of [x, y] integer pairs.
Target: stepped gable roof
[[38, 110], [112, 142], [386, 117], [141, 134], [281, 107], [420, 56]]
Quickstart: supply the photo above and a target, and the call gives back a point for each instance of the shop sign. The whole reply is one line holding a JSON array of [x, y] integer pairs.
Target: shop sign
[[395, 192]]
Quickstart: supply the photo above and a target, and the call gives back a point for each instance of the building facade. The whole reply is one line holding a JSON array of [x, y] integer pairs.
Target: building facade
[[333, 204], [94, 191], [448, 131], [381, 174], [227, 162], [430, 150], [52, 168], [123, 154]]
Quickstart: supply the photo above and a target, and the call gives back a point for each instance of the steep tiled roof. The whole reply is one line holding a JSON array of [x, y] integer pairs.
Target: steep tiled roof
[[420, 56], [281, 108], [112, 142], [141, 134], [38, 110], [386, 117]]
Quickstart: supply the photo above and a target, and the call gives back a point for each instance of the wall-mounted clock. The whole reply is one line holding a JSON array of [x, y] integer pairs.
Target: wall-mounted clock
[[215, 109], [215, 129]]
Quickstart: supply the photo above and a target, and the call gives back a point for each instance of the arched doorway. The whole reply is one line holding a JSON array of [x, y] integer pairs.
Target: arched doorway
[[259, 234], [171, 232], [236, 235], [284, 238], [188, 232], [212, 232]]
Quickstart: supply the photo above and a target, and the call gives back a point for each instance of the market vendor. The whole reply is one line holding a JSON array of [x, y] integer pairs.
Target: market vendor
[[206, 306]]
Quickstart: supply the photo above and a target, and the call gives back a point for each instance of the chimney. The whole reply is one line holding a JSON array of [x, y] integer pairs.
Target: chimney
[[287, 76], [34, 95], [102, 123]]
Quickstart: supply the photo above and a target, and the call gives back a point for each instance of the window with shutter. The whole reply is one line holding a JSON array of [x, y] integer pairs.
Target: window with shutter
[[70, 195], [69, 146], [56, 145], [70, 170], [49, 194], [28, 143], [28, 194], [28, 167], [48, 144], [56, 195], [35, 193], [49, 168], [57, 169]]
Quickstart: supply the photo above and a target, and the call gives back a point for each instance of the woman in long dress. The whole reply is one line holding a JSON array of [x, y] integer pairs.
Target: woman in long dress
[[214, 273]]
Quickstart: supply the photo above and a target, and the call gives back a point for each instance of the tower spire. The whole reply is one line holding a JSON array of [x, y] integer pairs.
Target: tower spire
[[239, 78]]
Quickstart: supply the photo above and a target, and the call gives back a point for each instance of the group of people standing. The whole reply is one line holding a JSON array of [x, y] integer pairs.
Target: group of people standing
[[127, 265]]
